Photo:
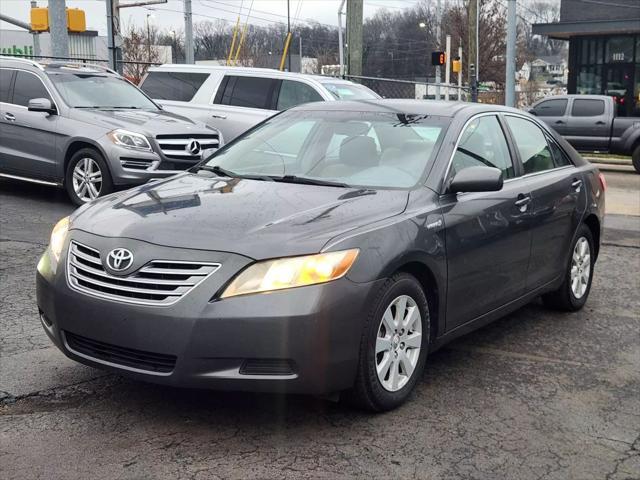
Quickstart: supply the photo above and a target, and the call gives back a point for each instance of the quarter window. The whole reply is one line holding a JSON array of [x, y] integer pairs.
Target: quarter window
[[532, 145], [587, 108], [5, 84], [28, 86], [178, 86], [252, 92], [295, 93], [551, 108], [483, 144], [560, 158]]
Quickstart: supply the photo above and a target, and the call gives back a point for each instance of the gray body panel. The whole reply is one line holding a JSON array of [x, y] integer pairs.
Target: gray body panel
[[485, 257]]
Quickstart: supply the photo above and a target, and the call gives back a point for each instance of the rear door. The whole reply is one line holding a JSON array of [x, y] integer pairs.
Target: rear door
[[6, 92], [28, 138], [554, 113], [487, 233], [558, 199], [588, 125]]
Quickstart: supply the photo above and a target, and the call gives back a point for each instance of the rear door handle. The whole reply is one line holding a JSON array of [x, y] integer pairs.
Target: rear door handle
[[523, 202], [559, 122], [217, 115], [600, 122], [10, 117], [576, 184]]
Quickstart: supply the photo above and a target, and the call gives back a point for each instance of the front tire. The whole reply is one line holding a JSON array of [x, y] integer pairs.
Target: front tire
[[394, 345], [575, 288], [635, 158], [87, 176]]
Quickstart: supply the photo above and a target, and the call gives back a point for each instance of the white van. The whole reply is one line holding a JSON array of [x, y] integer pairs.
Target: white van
[[233, 99]]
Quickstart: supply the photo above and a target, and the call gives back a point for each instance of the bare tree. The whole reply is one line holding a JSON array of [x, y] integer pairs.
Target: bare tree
[[139, 51]]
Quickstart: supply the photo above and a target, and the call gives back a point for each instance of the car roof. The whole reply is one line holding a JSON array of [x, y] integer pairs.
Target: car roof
[[407, 106], [271, 72]]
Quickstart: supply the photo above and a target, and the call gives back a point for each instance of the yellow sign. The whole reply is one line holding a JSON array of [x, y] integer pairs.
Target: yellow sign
[[40, 19], [76, 21]]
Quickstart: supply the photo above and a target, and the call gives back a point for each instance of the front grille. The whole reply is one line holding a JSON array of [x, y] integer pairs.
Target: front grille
[[269, 366], [159, 282], [126, 357], [174, 147]]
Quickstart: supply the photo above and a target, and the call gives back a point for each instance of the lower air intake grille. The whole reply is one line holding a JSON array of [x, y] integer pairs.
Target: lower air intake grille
[[267, 367], [126, 357]]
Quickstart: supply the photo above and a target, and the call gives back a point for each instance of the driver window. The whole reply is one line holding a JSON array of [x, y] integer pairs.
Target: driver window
[[483, 144]]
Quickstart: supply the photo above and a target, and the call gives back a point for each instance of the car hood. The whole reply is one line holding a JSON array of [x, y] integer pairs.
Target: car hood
[[150, 123], [258, 219]]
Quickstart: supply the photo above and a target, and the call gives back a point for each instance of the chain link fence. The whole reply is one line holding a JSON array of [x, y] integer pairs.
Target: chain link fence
[[411, 89]]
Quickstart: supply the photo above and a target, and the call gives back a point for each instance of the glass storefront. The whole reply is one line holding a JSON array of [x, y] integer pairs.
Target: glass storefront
[[610, 66]]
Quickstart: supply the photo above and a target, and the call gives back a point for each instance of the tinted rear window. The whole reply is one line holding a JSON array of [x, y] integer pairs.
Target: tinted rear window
[[179, 86], [252, 92], [587, 108], [5, 83], [551, 108]]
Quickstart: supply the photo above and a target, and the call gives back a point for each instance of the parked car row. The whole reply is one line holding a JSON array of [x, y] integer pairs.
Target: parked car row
[[590, 124]]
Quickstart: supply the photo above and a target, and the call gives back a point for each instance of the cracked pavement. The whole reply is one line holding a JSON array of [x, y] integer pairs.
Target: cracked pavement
[[536, 395]]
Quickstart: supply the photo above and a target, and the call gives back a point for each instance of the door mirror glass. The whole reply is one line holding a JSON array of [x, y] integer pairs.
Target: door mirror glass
[[41, 105], [477, 179]]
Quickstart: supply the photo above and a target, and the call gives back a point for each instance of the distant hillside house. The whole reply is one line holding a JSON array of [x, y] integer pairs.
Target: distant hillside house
[[604, 49]]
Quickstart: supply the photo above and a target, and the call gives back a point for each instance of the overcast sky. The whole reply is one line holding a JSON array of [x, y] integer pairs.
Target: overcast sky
[[169, 15]]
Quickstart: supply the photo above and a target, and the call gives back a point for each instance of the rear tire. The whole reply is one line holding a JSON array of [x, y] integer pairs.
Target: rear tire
[[394, 345], [575, 288], [635, 158], [87, 176]]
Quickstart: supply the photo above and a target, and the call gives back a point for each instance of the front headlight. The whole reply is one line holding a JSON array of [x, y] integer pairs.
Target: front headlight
[[58, 236], [127, 139], [291, 272]]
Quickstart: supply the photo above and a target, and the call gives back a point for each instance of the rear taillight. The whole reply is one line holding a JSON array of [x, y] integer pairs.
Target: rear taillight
[[603, 182]]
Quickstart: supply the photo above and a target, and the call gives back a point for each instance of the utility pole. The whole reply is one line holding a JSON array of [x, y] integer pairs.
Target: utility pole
[[36, 35], [473, 49], [340, 40], [300, 49], [148, 39], [510, 84], [438, 22], [188, 33], [460, 72], [289, 33], [354, 36], [447, 70], [58, 28]]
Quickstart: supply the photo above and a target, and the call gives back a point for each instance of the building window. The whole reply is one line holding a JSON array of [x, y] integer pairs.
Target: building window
[[619, 50]]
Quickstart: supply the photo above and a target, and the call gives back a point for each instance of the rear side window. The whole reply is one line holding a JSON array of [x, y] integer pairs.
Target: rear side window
[[483, 144], [5, 84], [551, 108], [532, 145], [28, 86], [179, 86], [587, 108], [295, 93], [560, 158], [252, 92]]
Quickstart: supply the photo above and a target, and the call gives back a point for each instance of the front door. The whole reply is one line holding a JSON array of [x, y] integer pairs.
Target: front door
[[28, 138], [487, 234]]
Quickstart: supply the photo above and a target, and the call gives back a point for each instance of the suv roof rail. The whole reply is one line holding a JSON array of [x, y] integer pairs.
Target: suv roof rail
[[23, 60], [80, 65]]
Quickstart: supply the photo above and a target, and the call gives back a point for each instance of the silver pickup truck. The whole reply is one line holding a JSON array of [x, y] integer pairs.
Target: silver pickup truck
[[590, 124], [234, 99]]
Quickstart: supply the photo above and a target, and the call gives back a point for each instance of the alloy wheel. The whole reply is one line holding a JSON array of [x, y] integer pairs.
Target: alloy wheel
[[87, 179], [398, 343], [580, 267]]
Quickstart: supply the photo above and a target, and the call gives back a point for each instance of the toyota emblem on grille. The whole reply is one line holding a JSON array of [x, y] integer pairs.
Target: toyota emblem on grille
[[119, 259], [194, 148]]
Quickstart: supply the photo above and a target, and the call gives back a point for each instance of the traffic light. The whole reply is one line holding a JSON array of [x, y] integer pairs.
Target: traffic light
[[76, 20], [40, 19], [438, 58], [456, 65]]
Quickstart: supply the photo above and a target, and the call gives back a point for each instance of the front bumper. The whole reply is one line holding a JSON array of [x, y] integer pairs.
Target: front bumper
[[239, 343]]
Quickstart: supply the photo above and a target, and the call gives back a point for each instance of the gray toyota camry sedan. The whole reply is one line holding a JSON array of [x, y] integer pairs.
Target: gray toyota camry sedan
[[329, 249]]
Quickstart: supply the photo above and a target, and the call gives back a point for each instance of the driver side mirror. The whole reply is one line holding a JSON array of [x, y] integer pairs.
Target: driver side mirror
[[477, 179], [41, 105]]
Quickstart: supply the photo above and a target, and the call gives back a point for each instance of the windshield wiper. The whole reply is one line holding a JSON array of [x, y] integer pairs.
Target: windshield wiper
[[308, 181], [222, 172]]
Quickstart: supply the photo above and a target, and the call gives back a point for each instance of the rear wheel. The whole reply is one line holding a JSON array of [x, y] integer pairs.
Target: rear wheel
[[636, 158], [87, 176], [573, 293], [394, 345]]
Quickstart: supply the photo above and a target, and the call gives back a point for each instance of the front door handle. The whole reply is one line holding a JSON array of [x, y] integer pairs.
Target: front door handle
[[10, 117], [217, 115], [576, 184], [559, 122], [523, 202], [600, 122]]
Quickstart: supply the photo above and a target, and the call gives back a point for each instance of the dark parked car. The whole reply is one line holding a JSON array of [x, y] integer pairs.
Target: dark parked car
[[590, 124], [328, 249]]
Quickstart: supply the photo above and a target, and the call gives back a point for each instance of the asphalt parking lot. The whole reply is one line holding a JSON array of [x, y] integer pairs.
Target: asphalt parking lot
[[536, 395]]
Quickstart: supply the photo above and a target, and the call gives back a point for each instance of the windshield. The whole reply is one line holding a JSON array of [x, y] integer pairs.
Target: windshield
[[82, 90], [350, 91], [364, 149]]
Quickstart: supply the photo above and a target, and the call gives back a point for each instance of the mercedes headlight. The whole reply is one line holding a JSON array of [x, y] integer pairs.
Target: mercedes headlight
[[58, 237], [127, 139], [278, 274]]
